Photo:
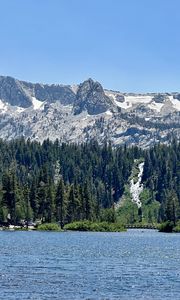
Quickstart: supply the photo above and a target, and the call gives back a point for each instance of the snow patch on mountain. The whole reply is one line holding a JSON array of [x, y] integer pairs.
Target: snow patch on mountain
[[175, 102], [37, 104], [155, 106], [130, 101], [124, 104], [138, 99], [74, 88], [108, 112], [3, 107]]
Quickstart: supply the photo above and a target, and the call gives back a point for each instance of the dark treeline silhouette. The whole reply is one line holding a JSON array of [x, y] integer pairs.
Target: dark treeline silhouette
[[70, 182]]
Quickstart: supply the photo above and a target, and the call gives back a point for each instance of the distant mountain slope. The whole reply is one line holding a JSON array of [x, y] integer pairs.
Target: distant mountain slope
[[82, 112]]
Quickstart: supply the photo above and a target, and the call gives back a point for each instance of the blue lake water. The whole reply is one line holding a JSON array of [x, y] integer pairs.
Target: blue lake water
[[82, 265]]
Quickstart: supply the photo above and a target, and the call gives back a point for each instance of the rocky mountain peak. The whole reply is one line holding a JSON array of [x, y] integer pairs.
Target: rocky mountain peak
[[91, 85], [91, 97]]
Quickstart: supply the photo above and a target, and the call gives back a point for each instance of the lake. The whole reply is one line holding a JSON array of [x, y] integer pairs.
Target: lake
[[138, 264]]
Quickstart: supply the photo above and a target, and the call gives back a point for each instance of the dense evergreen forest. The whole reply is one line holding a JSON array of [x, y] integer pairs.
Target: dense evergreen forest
[[162, 177], [64, 183]]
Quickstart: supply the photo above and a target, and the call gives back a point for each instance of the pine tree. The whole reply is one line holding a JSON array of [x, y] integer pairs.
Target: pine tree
[[87, 201], [172, 207], [50, 204], [33, 198], [61, 205], [71, 207]]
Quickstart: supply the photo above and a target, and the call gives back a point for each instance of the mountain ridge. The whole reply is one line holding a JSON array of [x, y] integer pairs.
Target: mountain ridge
[[86, 111]]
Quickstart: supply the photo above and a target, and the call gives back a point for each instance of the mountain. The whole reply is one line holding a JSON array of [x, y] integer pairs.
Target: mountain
[[86, 111]]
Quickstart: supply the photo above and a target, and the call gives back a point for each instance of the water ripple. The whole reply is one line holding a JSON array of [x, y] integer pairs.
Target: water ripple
[[94, 266]]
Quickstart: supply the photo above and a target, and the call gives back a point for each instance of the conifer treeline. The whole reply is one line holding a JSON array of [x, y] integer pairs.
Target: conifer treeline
[[65, 183], [162, 177]]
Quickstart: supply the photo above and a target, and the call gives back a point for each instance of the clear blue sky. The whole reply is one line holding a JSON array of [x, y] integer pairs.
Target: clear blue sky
[[127, 45]]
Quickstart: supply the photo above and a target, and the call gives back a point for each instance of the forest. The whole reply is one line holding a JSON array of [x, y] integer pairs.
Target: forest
[[64, 183]]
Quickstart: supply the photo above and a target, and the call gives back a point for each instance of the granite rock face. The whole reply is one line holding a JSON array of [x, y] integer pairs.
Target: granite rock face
[[20, 93], [120, 98], [91, 97], [12, 92], [160, 98], [51, 93]]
